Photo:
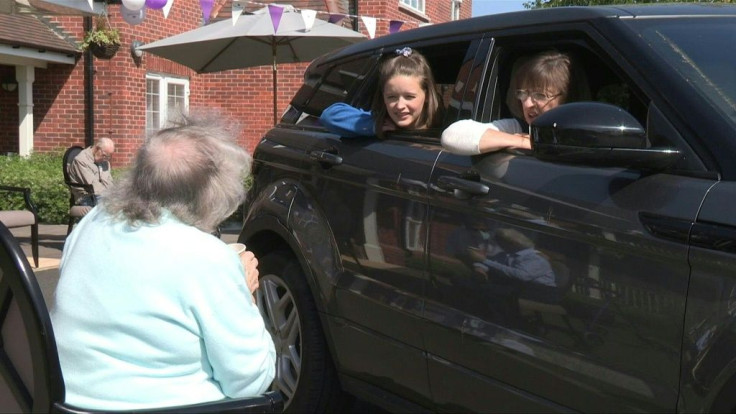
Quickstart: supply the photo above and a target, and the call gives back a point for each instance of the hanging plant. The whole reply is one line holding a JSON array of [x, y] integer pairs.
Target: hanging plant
[[103, 40]]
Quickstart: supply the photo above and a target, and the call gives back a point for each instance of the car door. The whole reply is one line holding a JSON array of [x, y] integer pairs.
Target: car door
[[610, 339], [373, 192], [375, 202]]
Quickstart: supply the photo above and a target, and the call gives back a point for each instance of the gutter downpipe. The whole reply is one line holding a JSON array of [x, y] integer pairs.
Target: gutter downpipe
[[356, 26], [89, 84]]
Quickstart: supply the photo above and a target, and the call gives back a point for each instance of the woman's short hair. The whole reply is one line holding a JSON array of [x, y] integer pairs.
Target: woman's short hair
[[195, 170], [549, 70], [408, 62]]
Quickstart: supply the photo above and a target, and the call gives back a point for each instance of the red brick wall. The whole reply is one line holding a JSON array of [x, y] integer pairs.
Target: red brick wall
[[119, 83]]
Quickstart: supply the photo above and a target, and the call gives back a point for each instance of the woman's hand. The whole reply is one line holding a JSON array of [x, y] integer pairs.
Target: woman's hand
[[250, 264]]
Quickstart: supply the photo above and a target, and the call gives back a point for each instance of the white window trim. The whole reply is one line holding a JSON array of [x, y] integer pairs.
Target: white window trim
[[421, 3], [455, 9], [163, 83]]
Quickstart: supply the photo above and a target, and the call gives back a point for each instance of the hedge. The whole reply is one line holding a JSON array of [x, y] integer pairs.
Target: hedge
[[42, 172]]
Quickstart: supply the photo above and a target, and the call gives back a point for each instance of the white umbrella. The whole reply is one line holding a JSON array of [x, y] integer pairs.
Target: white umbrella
[[252, 41]]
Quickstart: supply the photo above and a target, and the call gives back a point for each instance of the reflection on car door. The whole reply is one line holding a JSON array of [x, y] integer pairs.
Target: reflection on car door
[[375, 200], [546, 278]]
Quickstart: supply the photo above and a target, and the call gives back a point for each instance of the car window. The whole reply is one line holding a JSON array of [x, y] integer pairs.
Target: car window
[[598, 77], [326, 85], [354, 81], [340, 81], [595, 80]]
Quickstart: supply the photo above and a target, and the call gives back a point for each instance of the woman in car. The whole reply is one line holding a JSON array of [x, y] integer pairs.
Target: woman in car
[[538, 85], [406, 98]]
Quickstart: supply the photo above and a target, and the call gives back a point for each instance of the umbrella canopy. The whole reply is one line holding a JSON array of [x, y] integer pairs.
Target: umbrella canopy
[[252, 41]]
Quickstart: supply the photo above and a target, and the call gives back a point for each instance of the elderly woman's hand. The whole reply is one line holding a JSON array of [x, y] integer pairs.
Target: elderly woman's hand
[[250, 264]]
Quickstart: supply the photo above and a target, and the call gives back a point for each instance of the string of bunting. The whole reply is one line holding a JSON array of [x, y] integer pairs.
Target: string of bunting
[[134, 12]]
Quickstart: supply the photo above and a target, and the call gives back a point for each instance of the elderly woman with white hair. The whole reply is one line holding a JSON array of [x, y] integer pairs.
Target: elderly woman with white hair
[[152, 310]]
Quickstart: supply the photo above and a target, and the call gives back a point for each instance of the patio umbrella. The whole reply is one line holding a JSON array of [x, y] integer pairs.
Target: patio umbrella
[[252, 41]]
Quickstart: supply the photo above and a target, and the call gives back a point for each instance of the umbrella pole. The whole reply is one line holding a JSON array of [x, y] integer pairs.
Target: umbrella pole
[[275, 91]]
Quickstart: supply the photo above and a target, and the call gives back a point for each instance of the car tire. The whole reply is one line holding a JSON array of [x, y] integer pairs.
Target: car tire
[[305, 374]]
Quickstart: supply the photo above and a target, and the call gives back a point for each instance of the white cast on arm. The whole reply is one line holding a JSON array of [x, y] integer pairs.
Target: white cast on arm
[[463, 137]]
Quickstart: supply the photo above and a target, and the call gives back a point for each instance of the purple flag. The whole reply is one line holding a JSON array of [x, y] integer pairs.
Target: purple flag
[[275, 12], [206, 9], [394, 26], [335, 18]]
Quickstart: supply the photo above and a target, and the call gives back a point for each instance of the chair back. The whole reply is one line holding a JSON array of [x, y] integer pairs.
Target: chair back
[[69, 156], [30, 374], [75, 189]]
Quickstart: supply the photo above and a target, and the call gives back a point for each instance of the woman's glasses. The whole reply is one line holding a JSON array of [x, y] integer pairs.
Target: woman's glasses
[[537, 97]]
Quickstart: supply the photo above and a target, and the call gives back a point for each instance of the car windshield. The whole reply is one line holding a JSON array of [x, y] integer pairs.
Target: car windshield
[[702, 50]]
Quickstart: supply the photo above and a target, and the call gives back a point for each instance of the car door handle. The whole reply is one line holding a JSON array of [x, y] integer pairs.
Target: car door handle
[[325, 157], [450, 183]]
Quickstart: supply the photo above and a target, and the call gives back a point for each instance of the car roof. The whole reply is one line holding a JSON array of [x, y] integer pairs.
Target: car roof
[[534, 17]]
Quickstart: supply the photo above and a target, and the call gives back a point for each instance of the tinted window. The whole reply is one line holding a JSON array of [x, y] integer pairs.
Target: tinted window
[[336, 86]]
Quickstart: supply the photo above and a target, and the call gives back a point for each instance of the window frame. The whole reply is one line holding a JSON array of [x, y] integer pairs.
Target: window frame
[[418, 5], [162, 93], [455, 8]]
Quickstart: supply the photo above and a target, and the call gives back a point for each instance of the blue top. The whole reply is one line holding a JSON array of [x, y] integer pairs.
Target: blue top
[[156, 316], [348, 121]]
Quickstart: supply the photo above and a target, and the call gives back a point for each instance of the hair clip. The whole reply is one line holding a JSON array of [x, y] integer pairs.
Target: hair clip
[[406, 52]]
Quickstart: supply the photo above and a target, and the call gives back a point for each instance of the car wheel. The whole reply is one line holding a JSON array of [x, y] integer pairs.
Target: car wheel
[[305, 374]]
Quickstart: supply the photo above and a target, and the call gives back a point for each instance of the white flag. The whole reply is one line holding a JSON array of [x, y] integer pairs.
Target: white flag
[[167, 7], [308, 17], [370, 24], [237, 10]]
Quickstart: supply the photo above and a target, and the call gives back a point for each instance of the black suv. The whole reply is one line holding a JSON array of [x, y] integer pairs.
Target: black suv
[[388, 265]]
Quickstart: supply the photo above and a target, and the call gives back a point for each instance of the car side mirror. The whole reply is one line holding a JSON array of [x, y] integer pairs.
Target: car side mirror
[[596, 134]]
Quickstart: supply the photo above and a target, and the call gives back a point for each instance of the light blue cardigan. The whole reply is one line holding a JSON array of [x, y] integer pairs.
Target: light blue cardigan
[[156, 316]]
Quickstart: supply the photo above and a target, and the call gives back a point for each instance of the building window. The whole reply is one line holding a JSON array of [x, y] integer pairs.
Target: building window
[[414, 4], [166, 100], [455, 9]]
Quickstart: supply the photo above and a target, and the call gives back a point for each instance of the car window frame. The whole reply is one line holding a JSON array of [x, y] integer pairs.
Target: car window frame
[[588, 38]]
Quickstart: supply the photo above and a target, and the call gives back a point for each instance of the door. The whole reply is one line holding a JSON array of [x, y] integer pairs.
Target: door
[[375, 201]]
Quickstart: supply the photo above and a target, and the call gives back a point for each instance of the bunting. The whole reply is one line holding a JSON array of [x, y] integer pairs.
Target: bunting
[[206, 9], [167, 8], [275, 10], [308, 16], [370, 25], [236, 10]]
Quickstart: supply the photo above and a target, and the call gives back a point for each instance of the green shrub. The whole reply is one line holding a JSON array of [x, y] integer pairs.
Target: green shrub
[[42, 173]]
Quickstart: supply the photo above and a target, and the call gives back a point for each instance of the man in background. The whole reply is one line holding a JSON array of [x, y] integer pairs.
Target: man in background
[[92, 166]]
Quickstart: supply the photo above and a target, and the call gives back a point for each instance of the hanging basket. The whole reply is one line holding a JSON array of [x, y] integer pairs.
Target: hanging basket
[[104, 51]]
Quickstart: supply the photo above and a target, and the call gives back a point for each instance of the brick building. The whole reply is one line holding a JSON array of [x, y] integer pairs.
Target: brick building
[[54, 95]]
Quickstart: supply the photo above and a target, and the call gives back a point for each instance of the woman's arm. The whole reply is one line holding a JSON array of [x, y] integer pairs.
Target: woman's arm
[[468, 137], [348, 121]]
